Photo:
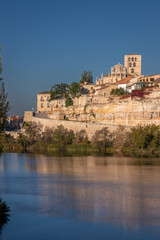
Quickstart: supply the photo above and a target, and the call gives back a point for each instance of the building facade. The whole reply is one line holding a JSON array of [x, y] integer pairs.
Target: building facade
[[43, 104]]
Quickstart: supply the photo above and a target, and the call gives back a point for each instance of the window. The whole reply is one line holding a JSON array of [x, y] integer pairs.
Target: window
[[104, 94], [41, 99], [134, 64], [141, 80], [132, 59], [147, 79], [48, 105], [152, 79], [135, 59], [130, 64], [41, 105], [132, 70], [129, 59], [48, 98]]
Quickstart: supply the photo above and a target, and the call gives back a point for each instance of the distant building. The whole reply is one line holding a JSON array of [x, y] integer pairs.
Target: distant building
[[132, 67], [148, 81], [43, 104], [14, 123]]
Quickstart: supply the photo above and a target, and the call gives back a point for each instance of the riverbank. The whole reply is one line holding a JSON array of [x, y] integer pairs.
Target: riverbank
[[138, 142]]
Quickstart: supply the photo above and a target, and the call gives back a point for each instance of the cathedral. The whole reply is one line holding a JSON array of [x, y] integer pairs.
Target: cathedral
[[132, 67]]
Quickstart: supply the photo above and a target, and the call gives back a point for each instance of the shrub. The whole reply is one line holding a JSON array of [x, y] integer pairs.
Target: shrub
[[68, 102]]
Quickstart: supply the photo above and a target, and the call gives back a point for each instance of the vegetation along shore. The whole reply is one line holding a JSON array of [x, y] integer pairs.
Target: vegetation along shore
[[139, 141]]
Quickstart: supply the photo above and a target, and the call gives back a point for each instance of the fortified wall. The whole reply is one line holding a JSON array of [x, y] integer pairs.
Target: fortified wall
[[90, 128]]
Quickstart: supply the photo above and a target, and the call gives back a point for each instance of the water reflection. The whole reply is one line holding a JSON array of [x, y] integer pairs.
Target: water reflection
[[4, 214], [106, 190], [99, 189]]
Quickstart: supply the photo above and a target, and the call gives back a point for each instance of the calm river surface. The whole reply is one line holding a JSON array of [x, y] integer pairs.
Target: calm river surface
[[80, 197]]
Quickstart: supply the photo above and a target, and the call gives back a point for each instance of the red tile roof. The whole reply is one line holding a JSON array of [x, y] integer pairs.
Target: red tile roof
[[124, 80], [102, 88], [45, 92]]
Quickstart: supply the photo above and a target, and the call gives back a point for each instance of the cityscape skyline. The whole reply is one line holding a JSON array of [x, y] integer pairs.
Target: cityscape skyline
[[48, 42]]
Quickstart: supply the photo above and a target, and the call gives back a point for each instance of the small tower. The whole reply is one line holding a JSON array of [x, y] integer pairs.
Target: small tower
[[133, 64]]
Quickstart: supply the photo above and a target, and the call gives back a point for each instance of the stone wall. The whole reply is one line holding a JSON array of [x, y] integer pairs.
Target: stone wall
[[90, 128]]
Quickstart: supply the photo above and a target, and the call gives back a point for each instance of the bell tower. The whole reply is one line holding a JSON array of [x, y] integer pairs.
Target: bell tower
[[133, 64]]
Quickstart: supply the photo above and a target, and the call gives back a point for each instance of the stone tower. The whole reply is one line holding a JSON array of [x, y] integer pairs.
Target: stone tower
[[133, 64]]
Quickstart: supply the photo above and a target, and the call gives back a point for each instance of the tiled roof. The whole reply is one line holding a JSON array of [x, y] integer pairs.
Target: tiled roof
[[124, 80], [15, 118], [102, 88], [132, 54], [45, 92]]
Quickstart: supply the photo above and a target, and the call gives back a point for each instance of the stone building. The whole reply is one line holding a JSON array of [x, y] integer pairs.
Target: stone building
[[43, 104], [132, 62], [132, 67]]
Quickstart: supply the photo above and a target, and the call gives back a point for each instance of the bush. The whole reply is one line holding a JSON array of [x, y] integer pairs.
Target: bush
[[102, 139], [68, 102], [119, 91]]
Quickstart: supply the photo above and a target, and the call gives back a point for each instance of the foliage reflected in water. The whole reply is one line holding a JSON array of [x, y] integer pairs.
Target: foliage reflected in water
[[4, 214]]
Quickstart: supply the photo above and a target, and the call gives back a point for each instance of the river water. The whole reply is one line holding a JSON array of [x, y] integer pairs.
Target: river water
[[80, 197]]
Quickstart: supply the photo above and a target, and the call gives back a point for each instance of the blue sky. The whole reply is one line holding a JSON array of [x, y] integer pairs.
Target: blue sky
[[52, 41]]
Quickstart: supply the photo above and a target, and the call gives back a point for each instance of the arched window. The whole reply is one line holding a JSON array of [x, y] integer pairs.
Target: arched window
[[135, 59], [134, 64], [132, 59], [129, 59], [132, 70], [130, 64]]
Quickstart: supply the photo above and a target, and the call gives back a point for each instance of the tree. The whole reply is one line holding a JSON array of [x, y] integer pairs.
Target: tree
[[145, 140], [48, 136], [81, 137], [59, 91], [69, 101], [87, 77], [74, 89], [102, 139], [23, 141], [4, 104], [121, 139], [4, 214], [63, 137], [33, 132]]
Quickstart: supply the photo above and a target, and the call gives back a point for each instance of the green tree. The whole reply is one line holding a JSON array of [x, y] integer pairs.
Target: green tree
[[87, 77], [33, 132], [63, 137], [102, 139], [145, 140], [23, 141], [4, 104], [74, 89], [69, 101], [59, 91], [119, 91]]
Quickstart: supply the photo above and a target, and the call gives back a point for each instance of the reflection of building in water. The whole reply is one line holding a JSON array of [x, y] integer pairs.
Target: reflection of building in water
[[98, 189]]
